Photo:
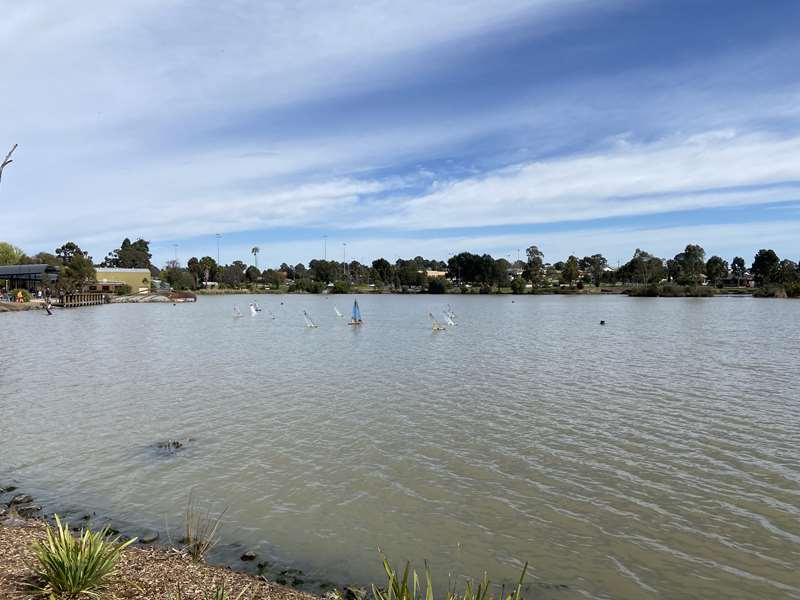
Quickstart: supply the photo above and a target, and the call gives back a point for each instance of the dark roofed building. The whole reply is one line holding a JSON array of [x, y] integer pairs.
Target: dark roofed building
[[26, 276]]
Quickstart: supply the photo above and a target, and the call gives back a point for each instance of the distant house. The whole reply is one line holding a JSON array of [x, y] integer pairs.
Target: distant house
[[435, 274], [110, 279]]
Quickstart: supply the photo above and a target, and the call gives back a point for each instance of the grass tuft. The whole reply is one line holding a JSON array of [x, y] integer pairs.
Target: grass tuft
[[69, 567], [201, 529]]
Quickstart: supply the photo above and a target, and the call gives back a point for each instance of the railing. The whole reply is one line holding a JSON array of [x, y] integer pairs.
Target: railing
[[81, 299]]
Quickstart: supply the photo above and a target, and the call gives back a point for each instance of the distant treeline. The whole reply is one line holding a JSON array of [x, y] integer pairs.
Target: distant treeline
[[689, 268]]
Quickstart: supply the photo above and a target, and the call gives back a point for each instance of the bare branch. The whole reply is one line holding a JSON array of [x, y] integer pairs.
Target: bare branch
[[7, 161]]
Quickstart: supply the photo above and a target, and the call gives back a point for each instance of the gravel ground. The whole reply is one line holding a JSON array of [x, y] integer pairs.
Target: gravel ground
[[150, 573]]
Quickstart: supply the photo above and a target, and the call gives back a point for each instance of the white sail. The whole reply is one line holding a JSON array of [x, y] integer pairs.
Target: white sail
[[448, 318], [236, 312], [338, 314], [253, 310], [309, 321], [436, 325]]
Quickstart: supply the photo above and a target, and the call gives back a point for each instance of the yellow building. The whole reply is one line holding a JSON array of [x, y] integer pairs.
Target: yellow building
[[108, 279]]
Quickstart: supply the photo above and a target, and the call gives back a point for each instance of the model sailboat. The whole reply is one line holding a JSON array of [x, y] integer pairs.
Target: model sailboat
[[338, 312], [236, 312], [436, 325], [309, 322], [356, 318]]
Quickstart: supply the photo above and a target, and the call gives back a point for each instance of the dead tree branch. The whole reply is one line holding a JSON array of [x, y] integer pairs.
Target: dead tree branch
[[7, 160]]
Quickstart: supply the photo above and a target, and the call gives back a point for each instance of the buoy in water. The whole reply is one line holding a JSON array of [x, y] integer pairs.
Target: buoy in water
[[602, 322]]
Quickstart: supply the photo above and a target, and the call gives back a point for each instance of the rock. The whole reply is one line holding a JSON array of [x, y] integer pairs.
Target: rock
[[3, 510], [5, 489], [27, 510], [21, 499], [247, 556], [148, 537]]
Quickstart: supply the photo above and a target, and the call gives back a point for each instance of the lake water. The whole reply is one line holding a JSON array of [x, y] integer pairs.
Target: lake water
[[657, 456]]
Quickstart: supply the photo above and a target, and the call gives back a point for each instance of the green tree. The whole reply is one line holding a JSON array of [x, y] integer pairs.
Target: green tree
[[692, 264], [437, 285], [595, 265], [786, 272], [716, 269], [518, 285], [130, 255], [765, 267], [252, 274], [76, 268], [10, 254], [535, 270], [738, 269], [570, 271], [643, 268], [274, 279]]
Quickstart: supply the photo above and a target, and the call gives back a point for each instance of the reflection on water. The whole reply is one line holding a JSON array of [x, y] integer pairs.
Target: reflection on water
[[655, 457]]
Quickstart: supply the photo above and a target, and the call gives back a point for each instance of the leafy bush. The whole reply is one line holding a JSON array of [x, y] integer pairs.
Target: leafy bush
[[69, 567], [518, 285], [341, 287], [307, 285], [26, 295], [437, 285], [407, 587], [123, 290]]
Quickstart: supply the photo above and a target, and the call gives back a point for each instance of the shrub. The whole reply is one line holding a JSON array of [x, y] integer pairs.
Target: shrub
[[26, 295], [69, 567], [200, 529], [437, 285], [341, 287], [518, 286], [123, 290], [407, 587]]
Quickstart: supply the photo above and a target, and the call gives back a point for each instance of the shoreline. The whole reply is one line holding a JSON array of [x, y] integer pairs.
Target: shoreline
[[143, 573], [228, 556]]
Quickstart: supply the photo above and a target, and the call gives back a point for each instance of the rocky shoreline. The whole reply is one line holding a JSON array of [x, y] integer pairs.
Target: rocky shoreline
[[147, 571]]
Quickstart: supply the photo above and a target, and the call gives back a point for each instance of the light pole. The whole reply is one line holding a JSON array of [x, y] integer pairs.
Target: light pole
[[176, 253], [344, 257], [325, 247], [219, 235]]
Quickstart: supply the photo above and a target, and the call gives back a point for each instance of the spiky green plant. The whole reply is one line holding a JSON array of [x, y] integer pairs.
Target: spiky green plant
[[69, 567], [407, 586]]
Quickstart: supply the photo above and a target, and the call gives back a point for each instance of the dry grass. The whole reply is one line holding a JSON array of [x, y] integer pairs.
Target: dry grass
[[150, 573], [200, 529]]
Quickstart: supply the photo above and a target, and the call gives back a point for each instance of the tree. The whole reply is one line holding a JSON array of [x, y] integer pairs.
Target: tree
[[535, 271], [738, 269], [596, 265], [178, 278], [437, 285], [323, 270], [786, 272], [274, 279], [10, 254], [692, 264], [518, 285], [570, 272], [77, 269], [129, 255], [254, 251], [252, 274], [643, 268], [716, 269], [765, 266], [7, 160]]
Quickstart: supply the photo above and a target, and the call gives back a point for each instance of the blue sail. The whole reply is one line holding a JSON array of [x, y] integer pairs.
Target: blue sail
[[356, 312]]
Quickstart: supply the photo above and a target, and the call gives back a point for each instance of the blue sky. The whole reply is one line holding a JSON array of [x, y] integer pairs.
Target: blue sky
[[400, 128]]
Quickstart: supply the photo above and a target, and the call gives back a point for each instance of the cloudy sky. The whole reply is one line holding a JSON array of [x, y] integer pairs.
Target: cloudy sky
[[402, 128]]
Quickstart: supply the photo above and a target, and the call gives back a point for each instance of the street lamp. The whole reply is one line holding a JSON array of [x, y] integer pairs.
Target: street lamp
[[219, 235]]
